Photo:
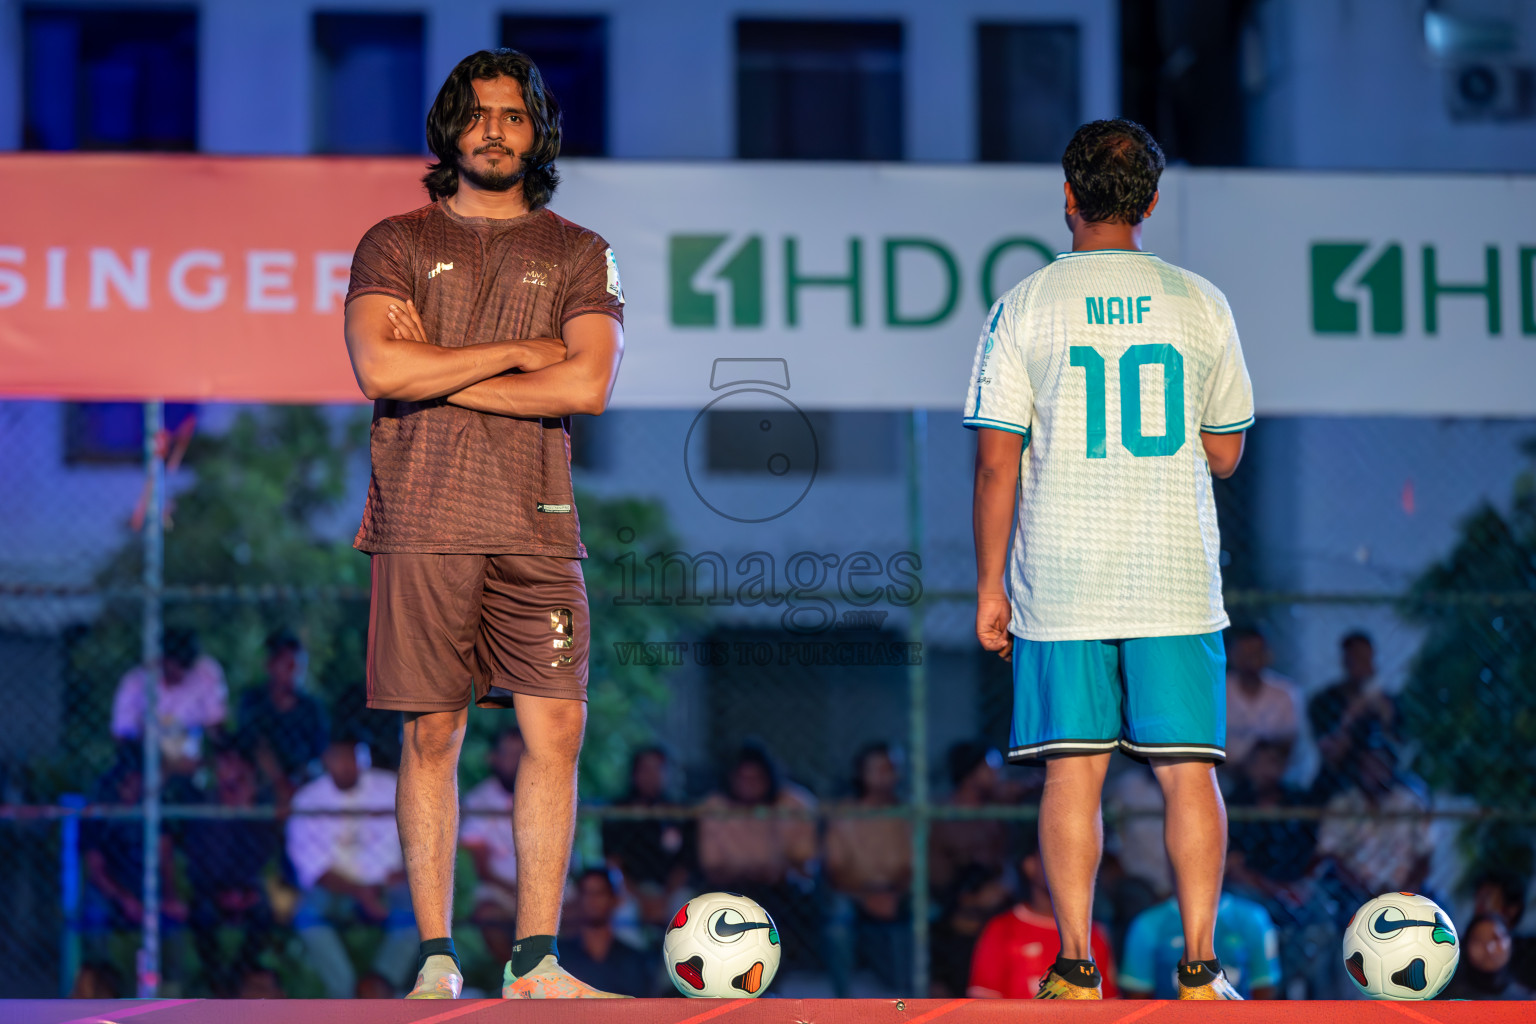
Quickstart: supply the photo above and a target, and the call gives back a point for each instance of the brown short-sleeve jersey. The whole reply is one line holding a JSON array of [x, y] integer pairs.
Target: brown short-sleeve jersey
[[450, 480]]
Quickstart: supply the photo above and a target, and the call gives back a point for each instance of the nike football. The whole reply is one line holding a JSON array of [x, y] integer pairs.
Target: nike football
[[721, 944], [1401, 946]]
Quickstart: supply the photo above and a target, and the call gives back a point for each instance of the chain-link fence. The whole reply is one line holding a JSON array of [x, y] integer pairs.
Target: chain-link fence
[[789, 706]]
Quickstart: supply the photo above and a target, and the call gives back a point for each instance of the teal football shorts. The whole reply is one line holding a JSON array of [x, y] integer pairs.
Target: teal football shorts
[[1162, 696]]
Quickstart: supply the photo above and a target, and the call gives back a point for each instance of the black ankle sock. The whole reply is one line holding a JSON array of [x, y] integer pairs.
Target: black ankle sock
[[1192, 969], [527, 953], [1078, 972], [438, 947]]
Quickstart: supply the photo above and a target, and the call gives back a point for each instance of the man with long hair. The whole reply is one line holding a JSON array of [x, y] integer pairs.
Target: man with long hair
[[1108, 388], [478, 325]]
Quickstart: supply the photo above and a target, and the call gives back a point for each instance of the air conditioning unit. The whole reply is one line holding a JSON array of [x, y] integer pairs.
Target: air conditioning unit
[[1484, 90]]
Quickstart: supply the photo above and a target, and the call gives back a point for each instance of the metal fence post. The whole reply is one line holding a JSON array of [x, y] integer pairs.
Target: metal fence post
[[917, 690], [69, 889], [154, 580]]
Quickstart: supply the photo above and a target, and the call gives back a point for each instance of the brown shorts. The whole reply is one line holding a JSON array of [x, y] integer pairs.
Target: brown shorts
[[443, 629]]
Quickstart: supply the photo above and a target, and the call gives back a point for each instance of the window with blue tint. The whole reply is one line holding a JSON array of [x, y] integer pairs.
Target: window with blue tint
[[112, 432], [572, 55], [369, 92], [819, 90], [1028, 80], [123, 78]]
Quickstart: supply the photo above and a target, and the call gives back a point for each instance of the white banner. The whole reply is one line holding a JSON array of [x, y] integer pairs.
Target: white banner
[[867, 285]]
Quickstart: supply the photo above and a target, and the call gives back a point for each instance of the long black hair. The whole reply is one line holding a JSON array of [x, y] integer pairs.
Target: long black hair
[[449, 117]]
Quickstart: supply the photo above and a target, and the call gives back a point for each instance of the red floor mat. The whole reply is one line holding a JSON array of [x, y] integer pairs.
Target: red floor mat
[[751, 1011]]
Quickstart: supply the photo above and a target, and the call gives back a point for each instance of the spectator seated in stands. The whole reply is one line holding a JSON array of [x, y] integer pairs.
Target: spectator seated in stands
[[869, 867], [191, 700], [1247, 945], [656, 857], [1501, 891], [373, 985], [258, 982], [113, 852], [1484, 971], [597, 955], [955, 844], [487, 837], [1268, 856], [1377, 835], [226, 860], [768, 859], [1133, 800], [283, 728], [975, 897], [1261, 703], [1018, 946], [1346, 712], [97, 979], [346, 854]]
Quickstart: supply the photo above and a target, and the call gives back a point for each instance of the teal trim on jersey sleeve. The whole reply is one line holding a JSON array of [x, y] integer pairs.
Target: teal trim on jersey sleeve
[[1228, 428], [991, 335], [977, 422]]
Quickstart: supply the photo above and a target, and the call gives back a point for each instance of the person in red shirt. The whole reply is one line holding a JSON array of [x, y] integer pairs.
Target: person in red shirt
[[1018, 946]]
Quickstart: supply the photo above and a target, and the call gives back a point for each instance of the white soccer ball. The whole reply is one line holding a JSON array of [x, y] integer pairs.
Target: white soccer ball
[[1401, 946], [721, 944]]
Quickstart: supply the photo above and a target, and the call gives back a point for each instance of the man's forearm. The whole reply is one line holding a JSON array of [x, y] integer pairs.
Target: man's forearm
[[414, 371], [991, 522], [576, 385]]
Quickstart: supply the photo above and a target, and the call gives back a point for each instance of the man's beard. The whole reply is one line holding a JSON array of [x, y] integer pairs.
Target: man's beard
[[495, 180]]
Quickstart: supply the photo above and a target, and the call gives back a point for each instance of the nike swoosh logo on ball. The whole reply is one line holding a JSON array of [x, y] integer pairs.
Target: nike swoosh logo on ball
[[726, 930], [1383, 927]]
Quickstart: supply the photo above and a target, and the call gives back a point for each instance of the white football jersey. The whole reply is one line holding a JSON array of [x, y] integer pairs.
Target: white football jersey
[[1110, 363]]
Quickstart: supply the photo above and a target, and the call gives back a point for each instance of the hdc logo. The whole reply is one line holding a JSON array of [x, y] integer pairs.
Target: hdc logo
[[1344, 273], [722, 280]]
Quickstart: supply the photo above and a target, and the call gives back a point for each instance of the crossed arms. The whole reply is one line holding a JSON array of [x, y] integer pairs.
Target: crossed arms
[[392, 358]]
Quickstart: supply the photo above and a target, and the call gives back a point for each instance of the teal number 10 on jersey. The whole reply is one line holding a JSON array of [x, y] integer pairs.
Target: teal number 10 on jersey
[[1135, 442]]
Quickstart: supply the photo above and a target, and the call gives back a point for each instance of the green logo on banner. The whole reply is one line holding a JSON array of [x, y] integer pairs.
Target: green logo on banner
[[1343, 274], [742, 271], [721, 280], [1382, 280]]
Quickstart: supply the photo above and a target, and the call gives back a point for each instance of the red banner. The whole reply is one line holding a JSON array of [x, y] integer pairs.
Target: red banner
[[185, 278]]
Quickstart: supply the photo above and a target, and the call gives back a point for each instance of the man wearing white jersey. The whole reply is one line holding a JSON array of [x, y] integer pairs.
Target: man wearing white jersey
[[1108, 389]]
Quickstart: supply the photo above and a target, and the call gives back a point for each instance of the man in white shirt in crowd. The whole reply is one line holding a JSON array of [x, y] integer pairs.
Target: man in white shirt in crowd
[[192, 698], [345, 850], [1262, 704], [1379, 832], [486, 834]]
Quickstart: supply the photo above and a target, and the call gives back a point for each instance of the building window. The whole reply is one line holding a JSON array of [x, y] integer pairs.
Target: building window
[[97, 433], [368, 87], [572, 55], [588, 442], [121, 79], [819, 90], [1028, 80]]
